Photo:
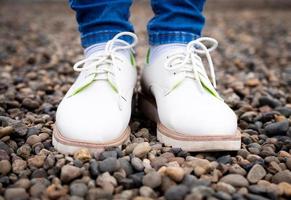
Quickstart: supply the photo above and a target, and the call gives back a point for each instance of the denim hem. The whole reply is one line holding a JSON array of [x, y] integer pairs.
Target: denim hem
[[92, 38], [158, 38]]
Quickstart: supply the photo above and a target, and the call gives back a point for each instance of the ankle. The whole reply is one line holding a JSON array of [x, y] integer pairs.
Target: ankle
[[100, 48]]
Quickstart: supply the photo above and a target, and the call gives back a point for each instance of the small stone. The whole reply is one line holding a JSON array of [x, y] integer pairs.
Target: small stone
[[144, 132], [175, 173], [19, 128], [94, 169], [127, 194], [107, 154], [18, 166], [82, 154], [106, 178], [243, 152], [269, 101], [176, 192], [33, 139], [285, 188], [23, 183], [24, 151], [200, 166], [274, 167], [222, 195], [56, 191], [15, 194], [69, 172], [256, 173], [33, 131], [284, 111], [36, 161], [3, 154], [98, 193], [202, 191], [37, 190], [253, 82], [137, 164], [284, 154], [141, 149], [78, 189], [278, 128], [5, 131], [5, 167], [189, 180], [224, 159], [30, 103], [283, 176], [146, 191], [4, 147], [152, 179], [39, 173], [44, 136], [235, 180], [237, 169], [199, 171], [109, 165], [158, 162], [225, 187], [125, 165], [167, 183]]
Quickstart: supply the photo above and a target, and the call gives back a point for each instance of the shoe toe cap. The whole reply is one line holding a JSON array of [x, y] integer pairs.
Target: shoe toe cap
[[91, 121], [207, 117]]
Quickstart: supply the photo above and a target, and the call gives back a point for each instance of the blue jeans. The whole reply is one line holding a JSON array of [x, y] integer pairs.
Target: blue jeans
[[175, 21]]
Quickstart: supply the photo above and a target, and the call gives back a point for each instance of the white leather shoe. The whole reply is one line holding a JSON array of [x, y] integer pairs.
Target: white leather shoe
[[178, 95], [96, 110]]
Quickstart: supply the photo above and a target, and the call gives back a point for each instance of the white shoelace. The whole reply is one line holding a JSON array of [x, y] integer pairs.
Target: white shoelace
[[190, 64], [104, 65]]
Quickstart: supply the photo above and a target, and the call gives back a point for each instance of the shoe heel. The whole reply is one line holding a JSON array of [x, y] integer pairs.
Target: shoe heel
[[148, 108]]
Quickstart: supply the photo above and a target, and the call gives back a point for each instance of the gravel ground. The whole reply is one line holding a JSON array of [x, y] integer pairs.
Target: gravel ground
[[39, 44]]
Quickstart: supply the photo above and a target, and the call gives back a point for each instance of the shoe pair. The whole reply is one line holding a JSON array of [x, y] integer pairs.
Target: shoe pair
[[176, 93]]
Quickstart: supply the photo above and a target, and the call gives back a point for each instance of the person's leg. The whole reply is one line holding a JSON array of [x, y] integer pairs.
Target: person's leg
[[175, 21], [189, 112], [96, 110], [99, 21]]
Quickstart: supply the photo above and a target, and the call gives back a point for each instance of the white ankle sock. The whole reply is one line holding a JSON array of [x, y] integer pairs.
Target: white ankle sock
[[157, 50], [100, 47], [94, 48]]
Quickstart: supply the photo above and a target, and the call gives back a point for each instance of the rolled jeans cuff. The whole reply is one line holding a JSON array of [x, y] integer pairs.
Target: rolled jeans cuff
[[158, 38], [100, 37]]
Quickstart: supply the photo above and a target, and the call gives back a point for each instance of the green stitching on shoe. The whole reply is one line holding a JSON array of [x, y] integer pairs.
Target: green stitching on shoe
[[113, 86], [80, 89], [148, 56], [175, 86], [132, 59], [210, 90]]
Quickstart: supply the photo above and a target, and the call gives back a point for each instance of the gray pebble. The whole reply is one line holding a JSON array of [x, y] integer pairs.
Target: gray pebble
[[78, 189], [176, 192], [109, 165], [137, 164], [152, 179]]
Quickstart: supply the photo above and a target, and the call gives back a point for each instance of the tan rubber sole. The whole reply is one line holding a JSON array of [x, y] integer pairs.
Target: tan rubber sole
[[187, 142], [69, 146]]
